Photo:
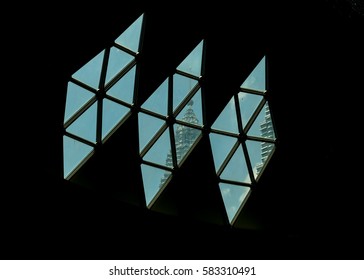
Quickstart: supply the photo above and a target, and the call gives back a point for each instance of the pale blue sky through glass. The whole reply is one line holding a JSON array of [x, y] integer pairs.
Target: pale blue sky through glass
[[159, 151], [192, 63], [181, 88], [131, 36], [256, 80], [124, 88], [221, 145], [158, 101], [112, 114], [76, 98], [227, 120], [248, 104], [152, 181], [236, 169], [148, 126], [118, 59], [233, 196], [85, 125], [90, 72]]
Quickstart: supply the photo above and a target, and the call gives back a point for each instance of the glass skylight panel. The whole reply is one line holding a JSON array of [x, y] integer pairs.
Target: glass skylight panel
[[153, 179], [118, 60], [227, 120], [74, 152], [234, 196], [75, 99], [112, 114], [123, 89], [85, 125], [262, 126], [150, 124], [221, 146], [192, 112], [158, 101], [148, 127], [90, 73], [256, 80], [192, 63], [182, 86], [258, 154], [158, 153], [248, 104], [185, 137], [236, 169], [130, 38]]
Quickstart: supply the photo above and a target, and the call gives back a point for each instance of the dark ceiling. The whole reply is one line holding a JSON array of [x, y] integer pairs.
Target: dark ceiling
[[309, 200]]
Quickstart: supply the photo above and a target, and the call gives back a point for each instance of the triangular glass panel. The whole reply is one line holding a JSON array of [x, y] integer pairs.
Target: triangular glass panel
[[130, 38], [263, 126], [185, 137], [112, 114], [123, 89], [90, 73], [233, 196], [192, 63], [192, 112], [85, 125], [248, 104], [76, 98], [73, 154], [153, 180], [148, 127], [221, 146], [256, 79], [258, 154], [227, 120], [181, 88], [236, 169], [157, 102], [118, 59], [160, 152]]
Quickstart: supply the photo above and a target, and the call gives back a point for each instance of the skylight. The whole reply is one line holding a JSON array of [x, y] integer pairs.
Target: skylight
[[99, 97], [164, 143], [242, 140]]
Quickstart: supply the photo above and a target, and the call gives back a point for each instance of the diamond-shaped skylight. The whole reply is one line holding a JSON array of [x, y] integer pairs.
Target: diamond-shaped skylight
[[184, 107], [109, 86], [243, 140]]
